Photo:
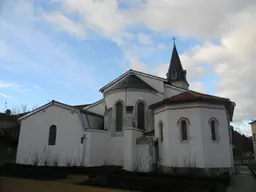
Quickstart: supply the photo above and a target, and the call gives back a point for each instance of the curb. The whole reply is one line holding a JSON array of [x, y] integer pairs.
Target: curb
[[252, 170]]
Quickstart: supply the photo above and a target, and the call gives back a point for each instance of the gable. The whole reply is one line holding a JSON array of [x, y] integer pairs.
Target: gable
[[56, 103], [132, 81], [154, 82]]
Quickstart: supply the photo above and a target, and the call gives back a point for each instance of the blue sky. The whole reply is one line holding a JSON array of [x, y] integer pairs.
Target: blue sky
[[68, 49]]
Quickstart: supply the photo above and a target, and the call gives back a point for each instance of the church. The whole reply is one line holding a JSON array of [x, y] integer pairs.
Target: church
[[143, 123]]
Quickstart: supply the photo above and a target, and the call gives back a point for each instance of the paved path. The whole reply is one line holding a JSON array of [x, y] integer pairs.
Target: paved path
[[243, 181]]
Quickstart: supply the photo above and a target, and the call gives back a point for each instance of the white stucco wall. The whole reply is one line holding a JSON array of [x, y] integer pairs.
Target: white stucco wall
[[163, 145], [115, 151], [131, 97], [129, 152], [172, 149], [97, 146], [199, 149], [92, 121], [34, 135], [216, 153]]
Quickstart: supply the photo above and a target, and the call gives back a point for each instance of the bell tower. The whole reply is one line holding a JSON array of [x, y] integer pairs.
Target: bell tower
[[176, 75]]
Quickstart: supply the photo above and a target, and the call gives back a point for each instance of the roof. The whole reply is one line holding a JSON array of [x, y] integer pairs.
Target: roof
[[80, 106], [175, 65], [149, 133], [131, 71], [91, 113], [190, 96], [95, 104], [253, 121], [133, 81]]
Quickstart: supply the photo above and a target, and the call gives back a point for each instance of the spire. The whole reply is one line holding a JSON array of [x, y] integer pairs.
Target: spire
[[175, 72]]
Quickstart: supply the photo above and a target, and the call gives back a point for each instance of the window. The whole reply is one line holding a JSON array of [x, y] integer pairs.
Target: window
[[174, 74], [213, 123], [119, 116], [141, 115], [184, 130], [213, 130], [161, 136], [52, 135]]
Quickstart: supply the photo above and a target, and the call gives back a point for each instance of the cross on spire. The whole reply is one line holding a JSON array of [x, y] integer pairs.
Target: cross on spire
[[174, 38]]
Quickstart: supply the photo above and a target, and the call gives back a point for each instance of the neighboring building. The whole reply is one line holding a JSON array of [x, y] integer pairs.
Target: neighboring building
[[9, 134], [142, 122], [10, 126], [242, 146], [253, 127]]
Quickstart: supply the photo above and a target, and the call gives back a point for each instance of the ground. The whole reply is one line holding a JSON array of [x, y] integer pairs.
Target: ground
[[243, 180], [17, 185]]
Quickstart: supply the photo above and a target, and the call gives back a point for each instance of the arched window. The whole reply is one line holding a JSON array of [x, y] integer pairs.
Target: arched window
[[174, 74], [184, 130], [213, 130], [52, 135], [161, 135], [213, 124], [141, 115], [119, 116]]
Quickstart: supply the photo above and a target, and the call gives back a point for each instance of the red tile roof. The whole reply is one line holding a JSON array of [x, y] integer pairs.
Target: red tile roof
[[191, 96]]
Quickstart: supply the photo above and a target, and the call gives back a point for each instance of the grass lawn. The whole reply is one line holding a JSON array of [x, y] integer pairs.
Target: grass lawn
[[27, 185]]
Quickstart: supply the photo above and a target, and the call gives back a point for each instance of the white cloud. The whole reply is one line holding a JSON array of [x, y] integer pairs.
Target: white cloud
[[37, 87], [5, 84], [161, 46], [7, 96], [197, 18], [144, 39], [48, 56], [198, 86], [65, 23], [200, 18], [233, 61], [135, 64], [103, 16]]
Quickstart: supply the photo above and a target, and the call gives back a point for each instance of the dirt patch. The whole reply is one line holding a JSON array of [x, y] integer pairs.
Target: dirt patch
[[17, 185]]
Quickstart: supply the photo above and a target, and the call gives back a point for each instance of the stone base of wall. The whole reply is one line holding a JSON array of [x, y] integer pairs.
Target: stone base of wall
[[194, 170]]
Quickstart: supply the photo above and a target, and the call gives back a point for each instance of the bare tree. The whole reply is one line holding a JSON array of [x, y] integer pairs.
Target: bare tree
[[9, 125], [24, 108], [34, 107], [15, 111]]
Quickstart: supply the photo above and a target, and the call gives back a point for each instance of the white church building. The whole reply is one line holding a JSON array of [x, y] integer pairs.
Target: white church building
[[143, 122]]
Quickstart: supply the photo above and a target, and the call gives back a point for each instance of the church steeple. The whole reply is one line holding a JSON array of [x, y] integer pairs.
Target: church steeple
[[176, 72]]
